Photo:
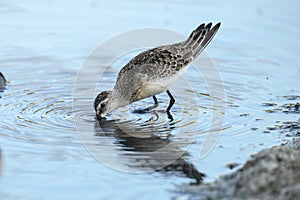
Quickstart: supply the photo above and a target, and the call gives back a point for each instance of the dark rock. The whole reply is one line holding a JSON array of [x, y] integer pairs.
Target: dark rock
[[271, 174], [244, 115], [232, 165], [269, 104], [2, 81], [291, 97]]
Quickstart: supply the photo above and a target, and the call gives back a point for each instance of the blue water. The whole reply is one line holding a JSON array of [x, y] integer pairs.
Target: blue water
[[45, 44]]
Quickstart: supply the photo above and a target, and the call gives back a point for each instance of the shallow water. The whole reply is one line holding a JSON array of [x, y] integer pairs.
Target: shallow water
[[44, 45]]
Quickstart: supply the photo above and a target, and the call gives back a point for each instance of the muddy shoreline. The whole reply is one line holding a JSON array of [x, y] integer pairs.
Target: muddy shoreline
[[272, 173]]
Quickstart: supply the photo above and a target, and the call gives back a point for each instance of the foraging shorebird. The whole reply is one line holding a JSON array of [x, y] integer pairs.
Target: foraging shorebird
[[154, 71]]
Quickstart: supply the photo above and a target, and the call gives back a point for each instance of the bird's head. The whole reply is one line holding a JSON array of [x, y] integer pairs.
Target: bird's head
[[103, 103]]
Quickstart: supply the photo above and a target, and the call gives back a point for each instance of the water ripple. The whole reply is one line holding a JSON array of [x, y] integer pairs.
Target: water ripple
[[27, 108]]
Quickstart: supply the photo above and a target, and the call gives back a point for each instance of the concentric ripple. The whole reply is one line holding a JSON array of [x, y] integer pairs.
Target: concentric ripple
[[36, 108]]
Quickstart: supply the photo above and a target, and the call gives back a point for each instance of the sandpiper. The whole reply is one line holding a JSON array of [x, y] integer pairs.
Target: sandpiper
[[154, 71]]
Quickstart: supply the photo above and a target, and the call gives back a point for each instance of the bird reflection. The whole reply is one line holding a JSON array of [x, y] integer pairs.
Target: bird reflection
[[148, 148]]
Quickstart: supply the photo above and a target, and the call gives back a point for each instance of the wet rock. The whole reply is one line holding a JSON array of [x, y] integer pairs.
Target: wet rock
[[292, 97], [291, 128], [271, 174], [2, 81], [272, 128], [244, 115], [290, 125], [232, 165], [269, 104], [291, 107], [273, 110]]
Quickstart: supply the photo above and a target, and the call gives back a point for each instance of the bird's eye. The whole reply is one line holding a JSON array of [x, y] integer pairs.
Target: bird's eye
[[102, 105]]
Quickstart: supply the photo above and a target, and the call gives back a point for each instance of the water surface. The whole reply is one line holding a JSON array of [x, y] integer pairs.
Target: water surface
[[45, 44]]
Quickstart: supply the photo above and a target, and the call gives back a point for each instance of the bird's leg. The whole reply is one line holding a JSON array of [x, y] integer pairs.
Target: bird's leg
[[149, 108], [154, 105], [171, 103]]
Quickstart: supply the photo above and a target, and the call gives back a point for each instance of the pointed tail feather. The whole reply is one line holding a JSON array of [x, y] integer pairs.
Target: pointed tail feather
[[201, 37]]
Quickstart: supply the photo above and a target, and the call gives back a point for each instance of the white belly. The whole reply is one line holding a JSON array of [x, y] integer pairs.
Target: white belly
[[167, 82], [153, 87]]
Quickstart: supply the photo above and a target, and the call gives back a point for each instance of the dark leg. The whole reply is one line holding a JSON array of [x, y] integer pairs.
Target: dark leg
[[172, 100], [155, 101], [171, 103], [155, 104], [150, 108]]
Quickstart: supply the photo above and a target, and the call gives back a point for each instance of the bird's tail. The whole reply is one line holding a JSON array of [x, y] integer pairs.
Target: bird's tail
[[201, 37]]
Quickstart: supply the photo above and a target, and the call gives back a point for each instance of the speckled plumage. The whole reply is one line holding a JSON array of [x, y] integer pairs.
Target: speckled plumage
[[153, 71]]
